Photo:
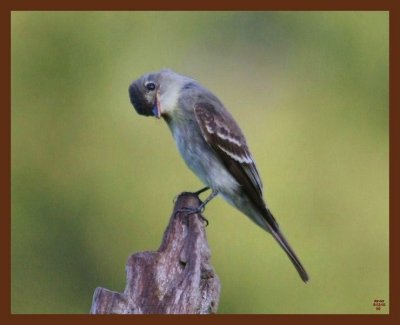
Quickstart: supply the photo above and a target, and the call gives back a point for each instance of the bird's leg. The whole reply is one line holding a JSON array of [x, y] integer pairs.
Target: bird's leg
[[197, 193], [201, 191], [202, 206]]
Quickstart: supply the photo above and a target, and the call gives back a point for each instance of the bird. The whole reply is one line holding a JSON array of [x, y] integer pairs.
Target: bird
[[212, 145]]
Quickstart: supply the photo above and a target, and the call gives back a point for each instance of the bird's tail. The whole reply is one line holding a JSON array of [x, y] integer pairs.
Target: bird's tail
[[269, 223], [266, 221], [280, 238]]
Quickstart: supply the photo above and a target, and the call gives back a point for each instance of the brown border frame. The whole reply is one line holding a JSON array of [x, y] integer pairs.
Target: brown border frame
[[7, 6]]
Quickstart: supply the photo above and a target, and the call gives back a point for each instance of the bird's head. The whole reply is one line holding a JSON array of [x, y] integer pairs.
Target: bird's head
[[143, 93], [157, 94]]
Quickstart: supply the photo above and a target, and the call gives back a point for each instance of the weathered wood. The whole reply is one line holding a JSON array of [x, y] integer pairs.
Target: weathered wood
[[176, 279]]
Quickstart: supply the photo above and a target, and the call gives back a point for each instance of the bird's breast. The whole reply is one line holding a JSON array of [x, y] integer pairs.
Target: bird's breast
[[201, 158]]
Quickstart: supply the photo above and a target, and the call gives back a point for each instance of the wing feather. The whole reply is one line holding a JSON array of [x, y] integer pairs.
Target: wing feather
[[223, 134]]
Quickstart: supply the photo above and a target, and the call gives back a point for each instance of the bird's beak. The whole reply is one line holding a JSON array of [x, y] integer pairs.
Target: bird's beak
[[157, 107]]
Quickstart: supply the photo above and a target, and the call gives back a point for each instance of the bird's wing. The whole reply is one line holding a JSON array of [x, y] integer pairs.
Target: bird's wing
[[223, 135], [221, 132]]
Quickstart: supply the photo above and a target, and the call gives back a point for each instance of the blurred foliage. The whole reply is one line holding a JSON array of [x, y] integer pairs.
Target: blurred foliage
[[93, 182]]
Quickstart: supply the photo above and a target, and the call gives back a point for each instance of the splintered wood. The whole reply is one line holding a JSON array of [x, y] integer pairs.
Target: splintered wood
[[176, 279]]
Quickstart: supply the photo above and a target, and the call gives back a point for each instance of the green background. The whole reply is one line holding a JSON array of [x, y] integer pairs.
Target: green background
[[93, 182]]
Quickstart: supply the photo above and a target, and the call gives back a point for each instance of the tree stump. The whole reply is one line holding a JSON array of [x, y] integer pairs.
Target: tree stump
[[176, 279]]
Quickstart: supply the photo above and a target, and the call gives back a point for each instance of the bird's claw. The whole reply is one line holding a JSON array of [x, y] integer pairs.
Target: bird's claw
[[190, 211], [204, 219], [200, 209]]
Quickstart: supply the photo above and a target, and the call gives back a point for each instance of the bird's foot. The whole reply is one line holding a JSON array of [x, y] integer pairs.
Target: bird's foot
[[189, 211], [200, 209]]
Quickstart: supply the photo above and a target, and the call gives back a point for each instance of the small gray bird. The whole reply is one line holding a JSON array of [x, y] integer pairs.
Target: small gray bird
[[211, 143]]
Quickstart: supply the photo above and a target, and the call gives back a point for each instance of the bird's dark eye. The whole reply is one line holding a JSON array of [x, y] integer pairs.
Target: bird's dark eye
[[150, 85]]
